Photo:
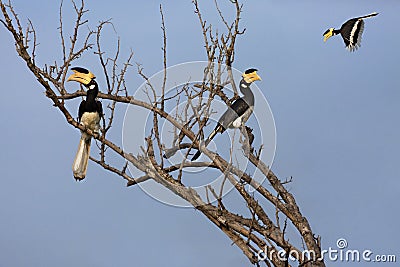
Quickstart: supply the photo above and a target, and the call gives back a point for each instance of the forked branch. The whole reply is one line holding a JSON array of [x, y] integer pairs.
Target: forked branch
[[258, 231]]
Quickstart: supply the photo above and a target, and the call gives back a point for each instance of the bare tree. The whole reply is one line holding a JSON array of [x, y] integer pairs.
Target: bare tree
[[259, 228]]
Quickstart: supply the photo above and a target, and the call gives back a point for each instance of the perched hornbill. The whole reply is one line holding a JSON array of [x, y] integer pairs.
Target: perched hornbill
[[89, 114], [239, 112], [351, 32]]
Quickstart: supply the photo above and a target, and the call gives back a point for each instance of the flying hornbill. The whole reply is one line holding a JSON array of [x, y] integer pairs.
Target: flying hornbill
[[89, 114], [351, 32], [239, 112]]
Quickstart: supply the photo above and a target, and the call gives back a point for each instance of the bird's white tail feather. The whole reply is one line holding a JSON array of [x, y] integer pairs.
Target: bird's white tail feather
[[79, 167], [369, 15], [213, 133]]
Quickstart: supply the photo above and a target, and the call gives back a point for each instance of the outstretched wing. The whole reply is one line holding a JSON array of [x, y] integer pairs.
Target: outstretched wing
[[351, 32]]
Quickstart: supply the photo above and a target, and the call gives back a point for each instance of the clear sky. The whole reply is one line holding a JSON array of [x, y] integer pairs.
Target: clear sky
[[336, 115]]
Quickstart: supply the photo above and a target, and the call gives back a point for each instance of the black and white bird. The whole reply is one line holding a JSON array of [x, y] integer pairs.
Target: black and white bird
[[239, 112], [89, 115], [351, 32]]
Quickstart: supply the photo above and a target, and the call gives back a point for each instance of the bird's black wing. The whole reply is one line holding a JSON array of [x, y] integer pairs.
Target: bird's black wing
[[351, 32], [81, 110], [99, 108], [237, 109]]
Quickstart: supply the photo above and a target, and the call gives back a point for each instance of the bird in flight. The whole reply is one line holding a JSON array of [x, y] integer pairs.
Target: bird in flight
[[351, 32]]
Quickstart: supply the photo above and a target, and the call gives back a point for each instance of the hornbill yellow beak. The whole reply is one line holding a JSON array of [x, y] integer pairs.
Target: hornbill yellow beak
[[251, 75], [81, 75], [328, 34]]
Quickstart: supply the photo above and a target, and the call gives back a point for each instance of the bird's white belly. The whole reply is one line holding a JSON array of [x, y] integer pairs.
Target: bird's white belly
[[242, 119], [91, 120], [237, 123]]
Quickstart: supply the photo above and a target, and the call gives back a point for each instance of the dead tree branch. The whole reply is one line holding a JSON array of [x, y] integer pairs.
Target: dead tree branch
[[258, 231]]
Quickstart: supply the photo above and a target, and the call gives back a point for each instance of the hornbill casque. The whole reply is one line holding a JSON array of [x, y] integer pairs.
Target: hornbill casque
[[89, 115], [239, 112], [351, 32]]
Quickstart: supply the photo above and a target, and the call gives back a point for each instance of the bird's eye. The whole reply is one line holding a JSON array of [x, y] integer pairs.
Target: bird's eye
[[92, 86]]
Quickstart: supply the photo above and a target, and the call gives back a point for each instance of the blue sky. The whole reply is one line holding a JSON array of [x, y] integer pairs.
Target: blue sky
[[336, 115]]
